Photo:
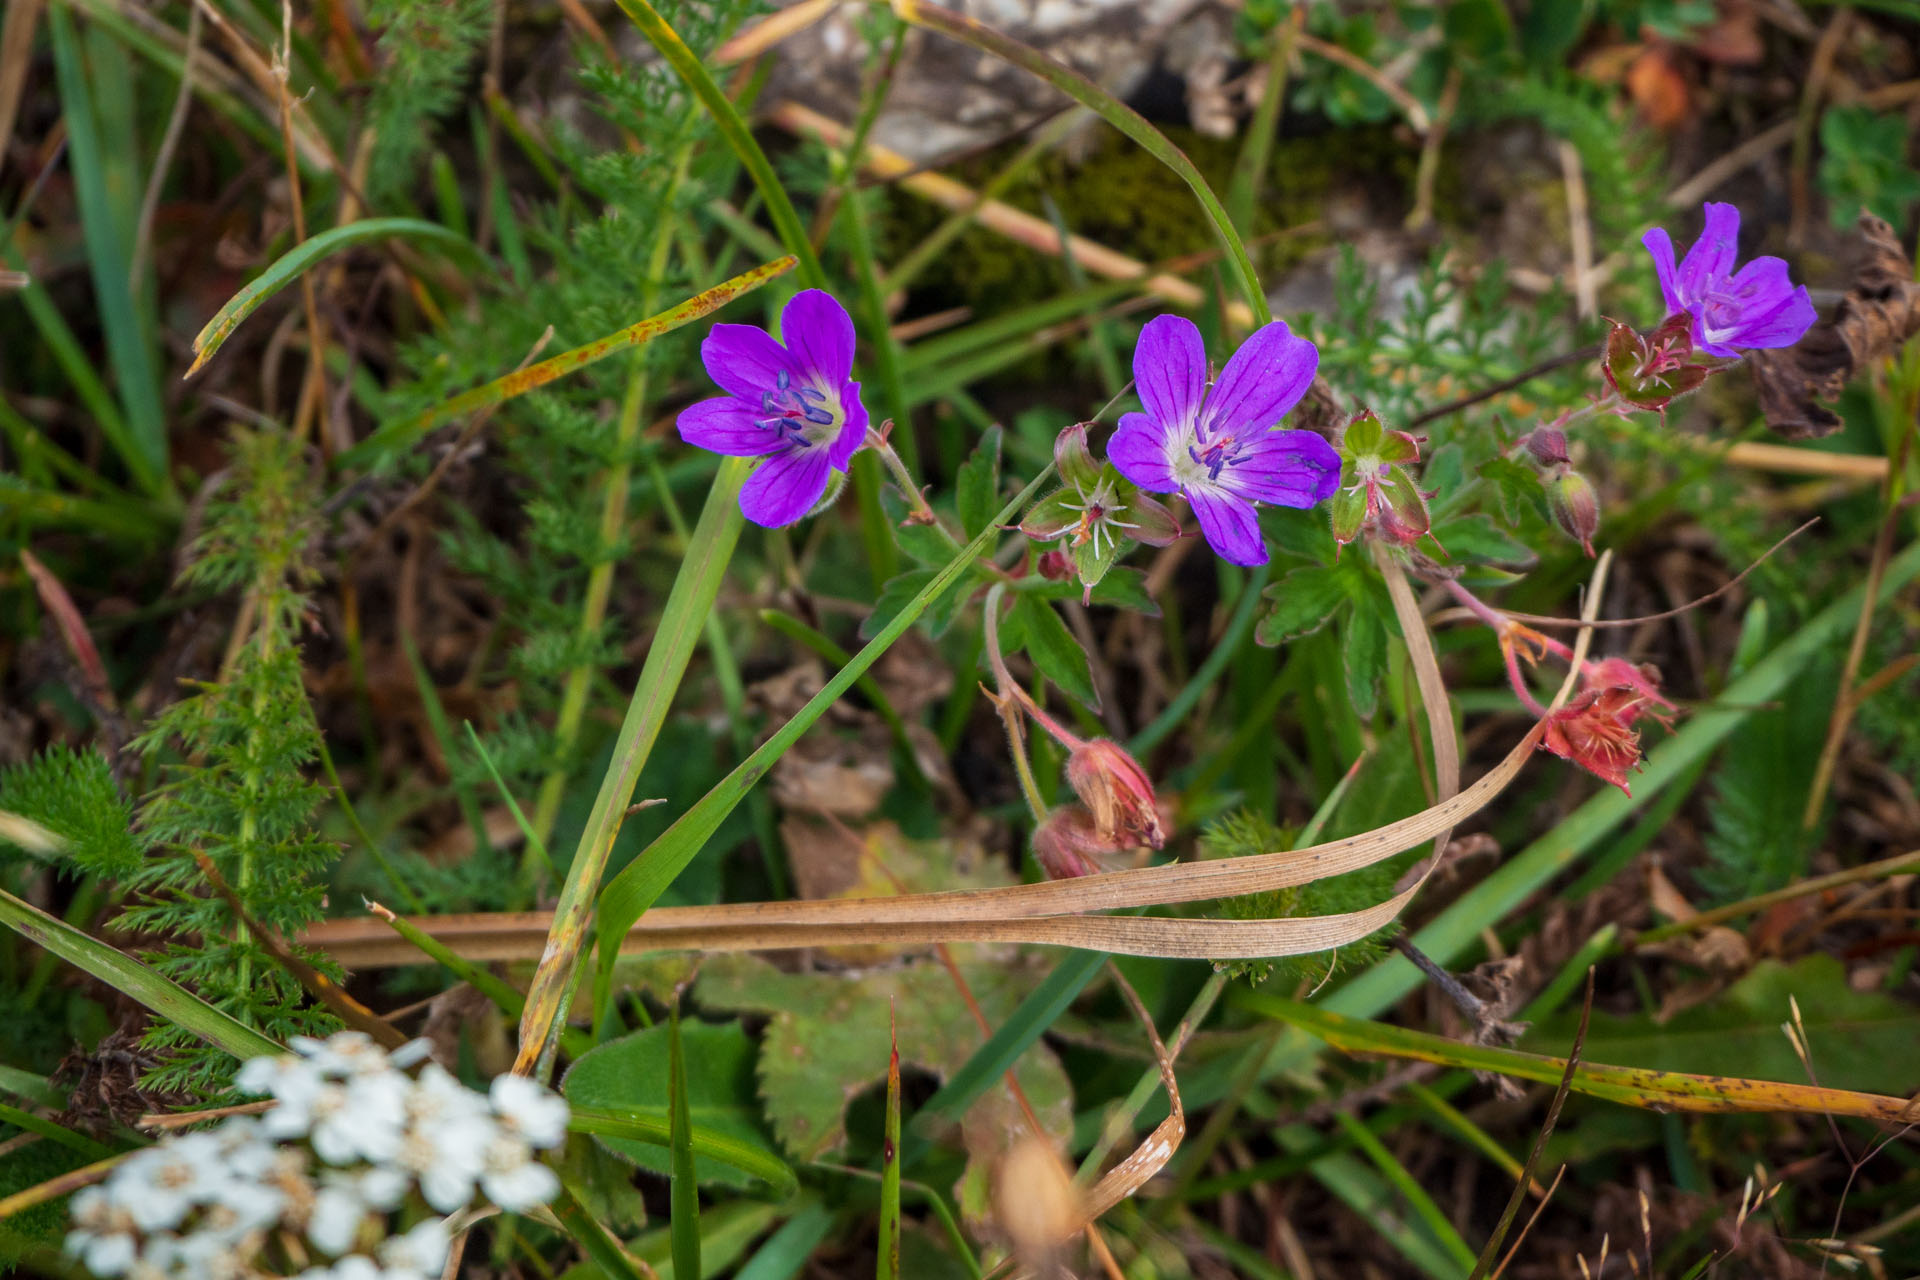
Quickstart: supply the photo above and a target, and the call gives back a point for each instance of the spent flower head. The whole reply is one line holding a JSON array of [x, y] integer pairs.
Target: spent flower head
[[1217, 445], [1756, 306], [1377, 495], [1096, 513], [793, 404]]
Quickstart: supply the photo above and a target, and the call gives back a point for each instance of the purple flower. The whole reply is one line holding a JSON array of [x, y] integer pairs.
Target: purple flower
[[1216, 447], [795, 405], [1757, 306]]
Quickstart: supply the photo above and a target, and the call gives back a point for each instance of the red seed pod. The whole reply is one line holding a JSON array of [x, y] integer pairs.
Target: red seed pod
[[1067, 845], [1548, 445], [1055, 566], [1118, 793]]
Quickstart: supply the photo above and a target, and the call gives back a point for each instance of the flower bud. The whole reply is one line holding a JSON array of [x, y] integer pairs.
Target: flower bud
[[1548, 445], [1575, 506], [1055, 566], [1067, 846], [1118, 793]]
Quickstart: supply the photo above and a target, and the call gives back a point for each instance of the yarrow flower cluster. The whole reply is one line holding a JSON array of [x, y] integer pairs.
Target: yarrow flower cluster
[[208, 1203]]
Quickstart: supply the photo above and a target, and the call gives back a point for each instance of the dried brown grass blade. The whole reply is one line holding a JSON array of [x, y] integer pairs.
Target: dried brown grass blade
[[1151, 1156], [1045, 913]]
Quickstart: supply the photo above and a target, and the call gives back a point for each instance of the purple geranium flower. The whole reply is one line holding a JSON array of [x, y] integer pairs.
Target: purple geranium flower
[[795, 405], [1758, 306], [1216, 447]]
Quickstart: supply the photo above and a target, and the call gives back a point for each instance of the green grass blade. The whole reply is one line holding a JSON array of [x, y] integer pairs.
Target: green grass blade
[[689, 602], [684, 1189], [630, 893], [786, 1251], [726, 117], [292, 264], [1238, 628], [107, 198], [608, 1123], [1015, 1036], [77, 1142], [594, 1239], [33, 1088], [442, 731], [1425, 1210], [395, 437], [132, 978], [1115, 112], [888, 1266]]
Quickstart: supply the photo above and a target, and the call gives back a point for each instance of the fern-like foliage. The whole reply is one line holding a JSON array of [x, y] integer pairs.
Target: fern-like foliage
[[426, 50], [1624, 163], [1755, 839], [72, 795], [595, 250], [238, 791], [1245, 832]]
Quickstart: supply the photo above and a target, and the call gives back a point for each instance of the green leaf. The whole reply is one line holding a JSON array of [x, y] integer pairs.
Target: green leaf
[[1516, 487], [1363, 653], [1478, 539], [297, 260], [1303, 602], [627, 1078], [1858, 1040], [1126, 589], [827, 1040], [1054, 650], [977, 484], [132, 978]]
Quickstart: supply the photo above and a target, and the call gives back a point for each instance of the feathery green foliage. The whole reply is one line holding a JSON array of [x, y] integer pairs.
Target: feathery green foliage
[[73, 794], [426, 50], [238, 790], [1245, 832]]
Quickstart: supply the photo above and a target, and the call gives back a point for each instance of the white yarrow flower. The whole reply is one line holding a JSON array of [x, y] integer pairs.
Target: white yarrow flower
[[530, 1109], [361, 1119], [202, 1206], [160, 1185], [513, 1179], [421, 1252]]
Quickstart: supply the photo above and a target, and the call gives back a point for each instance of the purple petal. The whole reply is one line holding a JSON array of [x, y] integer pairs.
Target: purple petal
[[819, 333], [1660, 247], [784, 487], [1713, 253], [1286, 468], [1787, 324], [1232, 528], [729, 426], [1138, 451], [1265, 378], [1170, 370], [853, 429], [746, 361], [1773, 313]]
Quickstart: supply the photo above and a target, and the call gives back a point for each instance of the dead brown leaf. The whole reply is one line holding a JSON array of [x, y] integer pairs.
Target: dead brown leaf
[[1875, 319]]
